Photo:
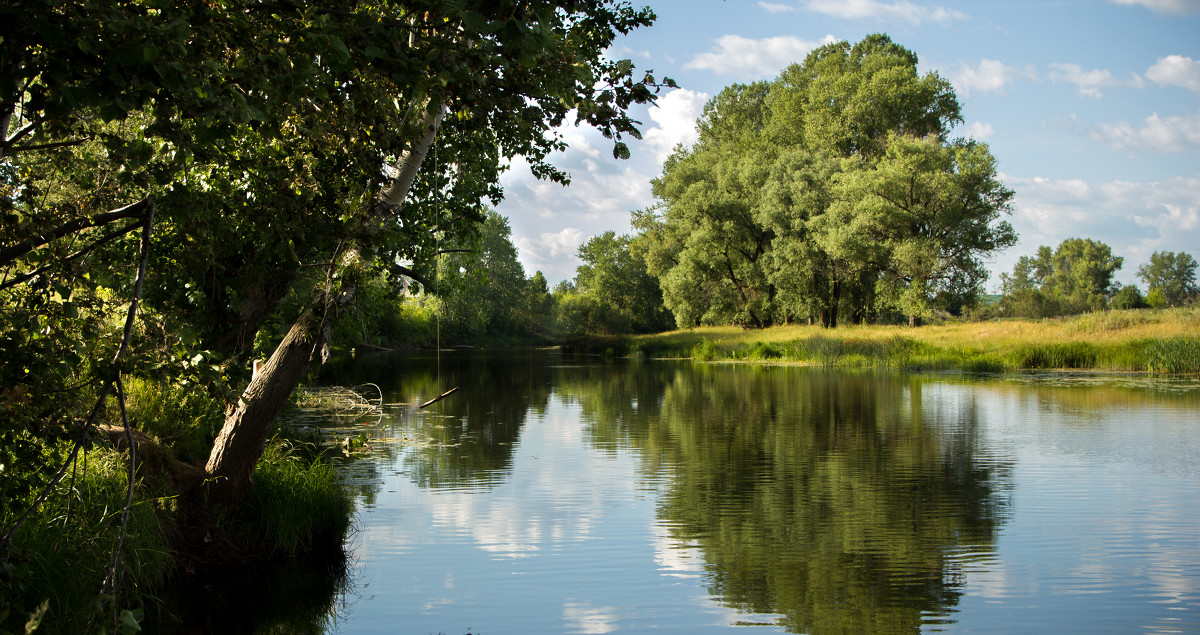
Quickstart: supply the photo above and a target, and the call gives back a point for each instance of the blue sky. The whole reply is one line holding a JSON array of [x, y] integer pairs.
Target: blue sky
[[1091, 107]]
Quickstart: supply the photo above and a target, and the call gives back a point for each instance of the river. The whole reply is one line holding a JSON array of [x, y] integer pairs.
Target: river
[[552, 494]]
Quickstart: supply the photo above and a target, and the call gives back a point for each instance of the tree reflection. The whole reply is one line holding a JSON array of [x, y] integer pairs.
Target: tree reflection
[[843, 502], [467, 439]]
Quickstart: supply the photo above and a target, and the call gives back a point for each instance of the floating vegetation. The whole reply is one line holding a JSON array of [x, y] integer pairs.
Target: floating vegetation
[[336, 406]]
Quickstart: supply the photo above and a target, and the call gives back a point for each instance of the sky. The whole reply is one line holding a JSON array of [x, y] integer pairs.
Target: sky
[[1091, 108]]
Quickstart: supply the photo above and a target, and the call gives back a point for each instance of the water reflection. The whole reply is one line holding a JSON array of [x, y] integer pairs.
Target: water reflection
[[839, 502], [629, 495], [466, 440]]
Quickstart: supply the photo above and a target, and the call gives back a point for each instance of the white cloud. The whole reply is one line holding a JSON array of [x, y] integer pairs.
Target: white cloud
[[1176, 218], [1176, 70], [1090, 83], [675, 121], [987, 76], [754, 59], [771, 7], [1156, 134], [620, 52], [876, 10], [1176, 7], [980, 130], [550, 245], [1134, 218]]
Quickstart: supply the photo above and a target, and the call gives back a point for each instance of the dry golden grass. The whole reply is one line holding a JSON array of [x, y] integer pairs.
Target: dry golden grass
[[1111, 339]]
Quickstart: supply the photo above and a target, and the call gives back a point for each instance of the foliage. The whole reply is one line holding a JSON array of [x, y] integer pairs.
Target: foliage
[[64, 551], [1082, 272], [612, 292], [256, 135], [1170, 277], [481, 285], [1076, 276], [830, 191], [1129, 297]]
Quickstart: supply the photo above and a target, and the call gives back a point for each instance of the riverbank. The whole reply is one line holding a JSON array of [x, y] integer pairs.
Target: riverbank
[[1155, 341], [60, 574]]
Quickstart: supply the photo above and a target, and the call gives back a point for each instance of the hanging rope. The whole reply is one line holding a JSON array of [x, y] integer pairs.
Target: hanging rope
[[437, 289]]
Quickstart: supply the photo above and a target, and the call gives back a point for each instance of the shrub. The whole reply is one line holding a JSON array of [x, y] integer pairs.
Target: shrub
[[706, 350]]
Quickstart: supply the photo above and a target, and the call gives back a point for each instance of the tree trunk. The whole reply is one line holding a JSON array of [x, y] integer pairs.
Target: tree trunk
[[237, 449], [248, 423]]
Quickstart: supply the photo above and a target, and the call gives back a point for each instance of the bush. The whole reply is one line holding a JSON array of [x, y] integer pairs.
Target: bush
[[1129, 297]]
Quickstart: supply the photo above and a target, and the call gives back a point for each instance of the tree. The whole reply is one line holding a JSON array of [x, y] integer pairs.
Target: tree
[[924, 216], [1129, 297], [537, 306], [792, 204], [481, 283], [1076, 276], [623, 296], [1172, 275], [708, 250], [260, 130], [847, 100], [1082, 274]]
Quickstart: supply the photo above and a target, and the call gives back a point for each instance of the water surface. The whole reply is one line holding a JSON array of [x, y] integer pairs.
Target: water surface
[[562, 495]]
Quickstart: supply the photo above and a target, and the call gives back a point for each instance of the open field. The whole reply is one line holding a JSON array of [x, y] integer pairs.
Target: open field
[[1159, 341]]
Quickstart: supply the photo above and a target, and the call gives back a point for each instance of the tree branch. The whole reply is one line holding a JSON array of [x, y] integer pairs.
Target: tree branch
[[79, 254], [135, 210], [107, 386]]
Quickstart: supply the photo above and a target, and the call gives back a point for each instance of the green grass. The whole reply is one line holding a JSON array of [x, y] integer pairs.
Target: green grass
[[183, 418], [1154, 341], [298, 504], [63, 552]]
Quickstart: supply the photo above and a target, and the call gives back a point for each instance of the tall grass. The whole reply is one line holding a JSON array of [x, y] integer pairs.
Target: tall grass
[[297, 505], [1173, 355], [183, 418], [1156, 341], [63, 552]]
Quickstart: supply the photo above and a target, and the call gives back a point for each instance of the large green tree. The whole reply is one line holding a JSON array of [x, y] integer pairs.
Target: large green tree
[[831, 191], [256, 132], [1172, 275], [612, 291], [1083, 273], [481, 284], [1074, 277], [924, 216]]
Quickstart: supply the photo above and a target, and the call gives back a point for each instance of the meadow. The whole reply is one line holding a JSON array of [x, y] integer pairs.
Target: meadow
[[1142, 340]]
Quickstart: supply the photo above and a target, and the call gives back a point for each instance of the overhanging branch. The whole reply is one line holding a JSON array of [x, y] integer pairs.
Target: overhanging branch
[[135, 210]]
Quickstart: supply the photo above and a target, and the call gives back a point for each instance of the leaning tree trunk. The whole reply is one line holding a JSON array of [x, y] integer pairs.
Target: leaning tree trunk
[[248, 423]]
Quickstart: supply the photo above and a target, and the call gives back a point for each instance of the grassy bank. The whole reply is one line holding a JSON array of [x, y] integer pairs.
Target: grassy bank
[[1155, 341], [53, 580]]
